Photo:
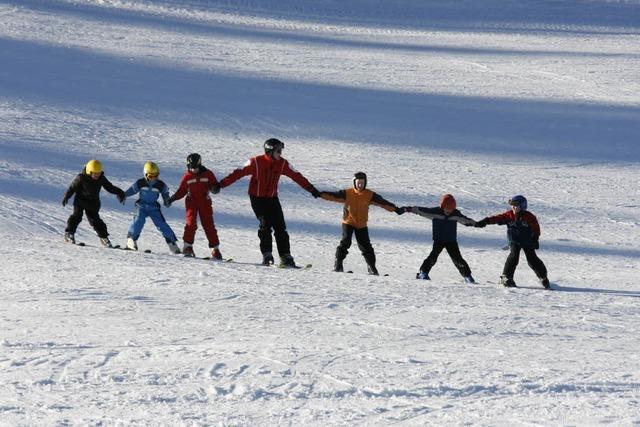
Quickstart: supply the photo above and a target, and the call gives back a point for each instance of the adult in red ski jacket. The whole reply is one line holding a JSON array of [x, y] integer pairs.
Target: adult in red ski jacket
[[196, 183], [265, 171]]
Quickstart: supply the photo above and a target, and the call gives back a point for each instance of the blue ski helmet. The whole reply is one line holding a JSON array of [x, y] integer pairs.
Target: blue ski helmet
[[519, 200]]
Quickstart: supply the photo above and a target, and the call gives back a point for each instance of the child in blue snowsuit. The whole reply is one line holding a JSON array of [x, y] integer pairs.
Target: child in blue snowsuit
[[150, 189]]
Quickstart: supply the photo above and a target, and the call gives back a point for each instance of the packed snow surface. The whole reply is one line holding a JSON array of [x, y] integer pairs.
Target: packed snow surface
[[483, 100]]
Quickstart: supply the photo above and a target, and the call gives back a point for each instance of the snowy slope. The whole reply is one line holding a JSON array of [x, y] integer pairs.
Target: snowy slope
[[479, 99]]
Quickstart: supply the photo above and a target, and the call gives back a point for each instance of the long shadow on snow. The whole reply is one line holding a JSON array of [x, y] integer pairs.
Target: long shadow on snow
[[515, 18], [633, 294], [82, 79]]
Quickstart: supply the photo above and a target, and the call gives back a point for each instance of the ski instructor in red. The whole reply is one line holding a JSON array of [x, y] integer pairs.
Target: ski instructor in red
[[265, 171]]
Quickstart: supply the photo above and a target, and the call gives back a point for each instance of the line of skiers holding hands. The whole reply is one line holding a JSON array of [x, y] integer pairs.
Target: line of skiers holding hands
[[265, 170]]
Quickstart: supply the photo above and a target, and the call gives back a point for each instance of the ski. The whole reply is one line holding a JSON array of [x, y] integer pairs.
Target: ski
[[83, 244], [293, 267], [351, 272], [146, 251], [208, 258], [541, 288]]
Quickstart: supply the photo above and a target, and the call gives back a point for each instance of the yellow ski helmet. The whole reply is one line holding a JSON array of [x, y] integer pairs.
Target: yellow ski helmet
[[93, 166], [151, 168]]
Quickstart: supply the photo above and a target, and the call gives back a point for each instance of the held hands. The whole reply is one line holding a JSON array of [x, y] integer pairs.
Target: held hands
[[315, 193], [400, 211], [167, 203], [481, 224], [215, 188], [121, 197]]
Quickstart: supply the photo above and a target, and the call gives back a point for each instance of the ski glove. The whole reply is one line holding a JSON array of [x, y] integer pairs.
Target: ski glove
[[215, 188], [121, 197], [64, 201], [315, 193], [481, 224], [399, 211], [167, 203]]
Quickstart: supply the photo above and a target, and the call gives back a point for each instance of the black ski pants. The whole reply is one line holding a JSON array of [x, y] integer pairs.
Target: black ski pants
[[364, 244], [534, 262], [93, 216], [269, 213], [454, 252]]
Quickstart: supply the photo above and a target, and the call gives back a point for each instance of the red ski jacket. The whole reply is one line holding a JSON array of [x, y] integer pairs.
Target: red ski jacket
[[522, 228], [196, 186], [265, 174]]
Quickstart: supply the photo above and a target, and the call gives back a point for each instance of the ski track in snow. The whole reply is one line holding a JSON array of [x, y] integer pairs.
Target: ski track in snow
[[481, 101]]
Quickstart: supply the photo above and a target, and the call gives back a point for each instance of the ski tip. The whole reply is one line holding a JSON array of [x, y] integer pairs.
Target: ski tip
[[81, 244], [147, 251]]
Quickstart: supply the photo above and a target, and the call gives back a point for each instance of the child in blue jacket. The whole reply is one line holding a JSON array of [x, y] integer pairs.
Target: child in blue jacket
[[523, 231], [445, 219], [150, 189]]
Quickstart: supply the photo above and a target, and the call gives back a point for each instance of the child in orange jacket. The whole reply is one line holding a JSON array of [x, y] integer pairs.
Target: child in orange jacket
[[356, 215]]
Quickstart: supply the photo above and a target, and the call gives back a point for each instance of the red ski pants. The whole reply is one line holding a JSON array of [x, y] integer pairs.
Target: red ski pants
[[205, 211]]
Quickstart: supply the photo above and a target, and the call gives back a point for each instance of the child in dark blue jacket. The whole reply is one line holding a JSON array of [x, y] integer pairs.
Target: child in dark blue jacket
[[445, 220], [523, 231], [150, 189]]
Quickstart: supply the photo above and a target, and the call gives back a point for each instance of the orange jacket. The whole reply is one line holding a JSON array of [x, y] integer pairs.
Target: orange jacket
[[356, 204]]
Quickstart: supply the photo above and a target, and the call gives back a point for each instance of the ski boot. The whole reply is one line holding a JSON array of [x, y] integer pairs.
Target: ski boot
[[216, 255], [267, 258], [106, 242], [372, 270], [173, 247], [423, 275], [469, 279], [545, 283], [70, 238], [507, 282], [187, 250], [337, 266], [287, 261], [132, 244]]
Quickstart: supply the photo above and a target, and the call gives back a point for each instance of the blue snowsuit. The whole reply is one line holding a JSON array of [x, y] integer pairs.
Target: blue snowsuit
[[148, 206]]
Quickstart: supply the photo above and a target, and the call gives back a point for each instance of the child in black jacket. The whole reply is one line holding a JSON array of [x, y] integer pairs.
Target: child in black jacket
[[86, 186], [445, 219]]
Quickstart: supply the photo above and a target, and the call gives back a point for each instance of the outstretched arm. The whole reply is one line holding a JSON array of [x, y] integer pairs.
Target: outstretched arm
[[378, 200], [134, 189], [499, 219], [425, 212], [107, 185], [334, 196], [299, 179], [247, 169], [462, 219], [181, 191]]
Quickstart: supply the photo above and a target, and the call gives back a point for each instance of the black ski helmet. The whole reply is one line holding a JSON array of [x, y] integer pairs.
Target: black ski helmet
[[194, 161], [271, 145], [359, 175]]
